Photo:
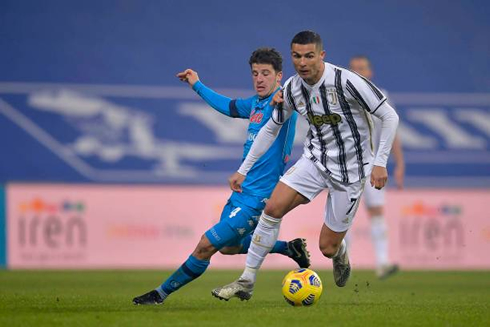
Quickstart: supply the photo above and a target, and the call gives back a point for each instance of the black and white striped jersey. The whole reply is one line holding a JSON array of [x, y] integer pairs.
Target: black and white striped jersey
[[338, 108], [376, 133]]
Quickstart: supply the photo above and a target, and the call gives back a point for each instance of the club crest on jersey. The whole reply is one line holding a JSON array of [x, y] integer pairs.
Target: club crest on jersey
[[332, 96], [319, 120]]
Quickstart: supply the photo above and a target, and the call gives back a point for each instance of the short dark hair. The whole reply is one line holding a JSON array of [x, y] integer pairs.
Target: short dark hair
[[308, 37], [360, 56], [267, 56]]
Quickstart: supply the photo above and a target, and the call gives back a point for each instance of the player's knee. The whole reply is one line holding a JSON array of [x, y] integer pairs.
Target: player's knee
[[375, 211], [228, 250], [329, 249], [204, 249], [274, 210], [224, 251]]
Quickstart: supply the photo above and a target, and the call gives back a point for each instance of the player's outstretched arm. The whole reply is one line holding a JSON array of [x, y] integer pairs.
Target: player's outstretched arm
[[231, 108]]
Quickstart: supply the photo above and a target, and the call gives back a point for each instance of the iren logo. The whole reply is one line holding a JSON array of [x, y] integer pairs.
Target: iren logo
[[55, 225], [319, 120]]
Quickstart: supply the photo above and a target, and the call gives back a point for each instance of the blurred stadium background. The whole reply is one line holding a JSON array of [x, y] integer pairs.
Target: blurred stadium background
[[108, 161]]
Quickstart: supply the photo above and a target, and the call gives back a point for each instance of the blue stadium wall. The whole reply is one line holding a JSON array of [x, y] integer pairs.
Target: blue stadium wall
[[88, 92]]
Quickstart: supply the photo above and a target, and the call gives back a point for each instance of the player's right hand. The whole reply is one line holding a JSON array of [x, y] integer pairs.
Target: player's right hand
[[188, 76], [236, 181], [379, 177], [277, 98]]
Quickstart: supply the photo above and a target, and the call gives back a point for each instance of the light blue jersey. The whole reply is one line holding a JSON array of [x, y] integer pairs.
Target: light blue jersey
[[265, 173]]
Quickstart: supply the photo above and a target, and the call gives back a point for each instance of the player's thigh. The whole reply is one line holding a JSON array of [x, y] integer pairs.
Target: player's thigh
[[237, 220], [301, 184], [342, 204], [283, 200]]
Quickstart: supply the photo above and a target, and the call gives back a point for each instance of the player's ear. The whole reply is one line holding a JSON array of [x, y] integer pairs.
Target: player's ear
[[322, 54], [279, 77]]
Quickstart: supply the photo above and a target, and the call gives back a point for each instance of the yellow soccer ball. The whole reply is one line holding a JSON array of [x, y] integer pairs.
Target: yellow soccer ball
[[302, 287]]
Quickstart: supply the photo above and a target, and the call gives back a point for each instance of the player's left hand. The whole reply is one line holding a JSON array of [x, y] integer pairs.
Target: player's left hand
[[379, 177], [236, 181]]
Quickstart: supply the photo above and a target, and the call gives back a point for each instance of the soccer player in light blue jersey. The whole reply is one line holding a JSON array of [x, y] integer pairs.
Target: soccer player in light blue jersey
[[233, 234]]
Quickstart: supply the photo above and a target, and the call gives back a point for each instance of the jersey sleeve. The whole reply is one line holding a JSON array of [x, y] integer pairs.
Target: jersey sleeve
[[284, 110], [241, 108], [389, 123], [237, 108], [263, 141], [364, 92]]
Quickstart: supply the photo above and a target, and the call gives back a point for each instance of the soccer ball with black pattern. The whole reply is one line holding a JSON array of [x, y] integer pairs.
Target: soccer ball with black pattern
[[302, 287]]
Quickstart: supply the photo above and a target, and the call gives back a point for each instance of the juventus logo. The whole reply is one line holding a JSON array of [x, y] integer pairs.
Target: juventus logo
[[332, 96], [257, 238]]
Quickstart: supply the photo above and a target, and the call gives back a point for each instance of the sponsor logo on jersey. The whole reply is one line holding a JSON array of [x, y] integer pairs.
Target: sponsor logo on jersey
[[256, 117], [251, 136], [319, 120]]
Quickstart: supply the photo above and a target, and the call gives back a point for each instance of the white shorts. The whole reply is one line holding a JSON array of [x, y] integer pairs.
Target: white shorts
[[373, 197], [342, 201]]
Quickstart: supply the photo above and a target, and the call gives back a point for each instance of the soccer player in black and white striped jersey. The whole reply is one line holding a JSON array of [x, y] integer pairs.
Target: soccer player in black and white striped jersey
[[338, 155]]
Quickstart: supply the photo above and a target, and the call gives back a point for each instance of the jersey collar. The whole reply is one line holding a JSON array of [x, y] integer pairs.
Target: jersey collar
[[262, 102]]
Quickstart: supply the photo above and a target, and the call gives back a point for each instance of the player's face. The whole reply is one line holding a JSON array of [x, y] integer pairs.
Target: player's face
[[362, 67], [265, 79], [308, 61]]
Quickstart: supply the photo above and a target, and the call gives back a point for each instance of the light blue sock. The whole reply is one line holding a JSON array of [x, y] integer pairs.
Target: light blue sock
[[191, 269], [280, 247]]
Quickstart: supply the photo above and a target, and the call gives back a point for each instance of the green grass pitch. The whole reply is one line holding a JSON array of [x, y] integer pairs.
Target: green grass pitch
[[103, 298]]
